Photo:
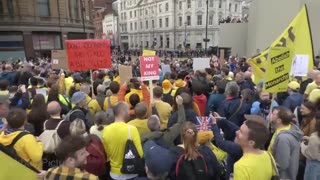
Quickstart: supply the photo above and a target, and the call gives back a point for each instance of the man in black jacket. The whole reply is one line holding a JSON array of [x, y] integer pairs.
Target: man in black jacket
[[80, 110]]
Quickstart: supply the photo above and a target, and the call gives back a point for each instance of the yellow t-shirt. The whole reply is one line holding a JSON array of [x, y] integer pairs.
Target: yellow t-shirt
[[314, 95], [114, 139], [141, 125], [134, 91], [311, 87], [250, 167], [113, 100], [285, 128], [164, 110]]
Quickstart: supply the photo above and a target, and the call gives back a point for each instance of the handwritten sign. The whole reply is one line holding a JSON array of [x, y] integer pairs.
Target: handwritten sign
[[146, 52], [300, 65], [149, 68], [59, 59], [125, 73], [88, 54], [201, 63]]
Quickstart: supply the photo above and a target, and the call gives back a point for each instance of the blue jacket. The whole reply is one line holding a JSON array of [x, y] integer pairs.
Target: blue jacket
[[11, 77], [191, 116], [230, 105], [233, 150], [214, 102], [293, 101]]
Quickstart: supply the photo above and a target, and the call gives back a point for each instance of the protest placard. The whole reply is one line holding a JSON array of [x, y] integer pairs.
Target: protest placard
[[146, 52], [222, 61], [300, 65], [125, 73], [149, 68], [165, 68], [201, 63], [278, 69], [88, 54], [59, 59]]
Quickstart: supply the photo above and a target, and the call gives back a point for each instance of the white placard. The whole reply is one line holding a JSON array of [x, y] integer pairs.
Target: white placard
[[55, 61], [42, 91], [165, 68], [201, 63], [299, 66]]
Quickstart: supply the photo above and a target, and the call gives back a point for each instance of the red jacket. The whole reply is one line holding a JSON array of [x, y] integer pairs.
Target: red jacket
[[96, 161], [201, 101]]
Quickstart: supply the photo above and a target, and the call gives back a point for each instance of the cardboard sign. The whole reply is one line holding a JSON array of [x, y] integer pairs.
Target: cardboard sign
[[88, 54], [149, 68], [201, 63], [59, 59], [165, 68], [222, 61], [146, 52], [278, 69], [300, 65], [125, 73]]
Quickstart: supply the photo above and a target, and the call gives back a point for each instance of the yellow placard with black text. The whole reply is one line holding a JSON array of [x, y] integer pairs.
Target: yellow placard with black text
[[278, 69], [296, 36], [146, 52]]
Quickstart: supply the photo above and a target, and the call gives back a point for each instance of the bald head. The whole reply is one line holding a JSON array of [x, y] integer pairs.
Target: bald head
[[247, 74], [54, 108], [154, 123]]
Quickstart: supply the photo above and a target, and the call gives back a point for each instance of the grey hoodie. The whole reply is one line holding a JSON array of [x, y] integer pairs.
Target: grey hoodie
[[286, 151]]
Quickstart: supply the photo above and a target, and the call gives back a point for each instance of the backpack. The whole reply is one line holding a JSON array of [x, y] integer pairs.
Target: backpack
[[50, 138], [11, 152], [168, 98], [132, 162], [67, 116], [96, 161], [191, 170]]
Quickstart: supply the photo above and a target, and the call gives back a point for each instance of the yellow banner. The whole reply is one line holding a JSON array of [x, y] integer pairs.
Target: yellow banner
[[297, 37], [11, 169], [148, 53], [278, 69]]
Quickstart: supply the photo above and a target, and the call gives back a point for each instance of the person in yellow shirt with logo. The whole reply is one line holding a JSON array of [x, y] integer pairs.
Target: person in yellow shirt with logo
[[255, 164]]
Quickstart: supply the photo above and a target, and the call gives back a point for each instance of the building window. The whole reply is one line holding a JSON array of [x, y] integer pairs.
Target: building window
[[188, 20], [160, 7], [152, 23], [141, 25], [135, 13], [167, 7], [230, 6], [220, 3], [167, 22], [147, 26], [188, 4], [10, 7], [199, 20], [211, 3], [125, 16], [180, 21], [140, 12], [146, 11], [235, 7], [43, 8], [161, 41], [160, 23], [135, 25], [1, 8], [199, 3], [180, 5], [131, 26], [210, 20], [168, 42], [76, 8], [130, 14]]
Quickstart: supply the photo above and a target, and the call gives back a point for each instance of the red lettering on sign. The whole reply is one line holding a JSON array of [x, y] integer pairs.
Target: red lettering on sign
[[88, 54]]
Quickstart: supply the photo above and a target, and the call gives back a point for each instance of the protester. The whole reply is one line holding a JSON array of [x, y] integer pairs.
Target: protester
[[38, 114], [72, 151], [285, 143], [314, 85], [114, 140], [164, 109], [308, 123], [113, 99], [242, 83], [199, 98], [216, 98], [26, 145], [141, 121], [9, 75], [101, 120], [263, 106], [80, 110], [294, 99]]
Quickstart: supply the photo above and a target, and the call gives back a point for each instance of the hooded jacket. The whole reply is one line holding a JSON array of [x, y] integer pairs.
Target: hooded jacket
[[9, 76], [26, 147], [201, 101], [286, 151]]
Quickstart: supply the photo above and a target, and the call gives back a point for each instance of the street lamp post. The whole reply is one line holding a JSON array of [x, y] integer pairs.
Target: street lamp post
[[185, 36], [206, 40], [82, 14]]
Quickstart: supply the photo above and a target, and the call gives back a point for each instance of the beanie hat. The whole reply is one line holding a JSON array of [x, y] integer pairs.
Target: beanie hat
[[204, 136]]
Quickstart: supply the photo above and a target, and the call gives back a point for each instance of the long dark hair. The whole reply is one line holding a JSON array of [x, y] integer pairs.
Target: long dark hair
[[178, 92], [38, 113], [308, 118], [318, 123], [189, 138]]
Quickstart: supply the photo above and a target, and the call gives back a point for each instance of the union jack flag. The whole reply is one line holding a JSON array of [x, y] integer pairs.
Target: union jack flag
[[204, 123]]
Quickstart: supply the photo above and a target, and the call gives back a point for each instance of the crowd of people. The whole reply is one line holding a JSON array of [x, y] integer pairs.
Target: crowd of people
[[214, 123]]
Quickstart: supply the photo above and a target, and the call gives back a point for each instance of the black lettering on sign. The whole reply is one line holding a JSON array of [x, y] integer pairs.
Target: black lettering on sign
[[292, 37], [283, 42], [280, 57], [277, 81], [279, 68]]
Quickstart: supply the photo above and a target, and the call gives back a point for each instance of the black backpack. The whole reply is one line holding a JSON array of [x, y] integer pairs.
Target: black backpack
[[132, 162], [10, 151], [168, 98], [191, 169]]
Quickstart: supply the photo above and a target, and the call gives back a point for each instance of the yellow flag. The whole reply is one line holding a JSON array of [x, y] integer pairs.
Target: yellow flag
[[297, 37], [278, 69], [148, 52]]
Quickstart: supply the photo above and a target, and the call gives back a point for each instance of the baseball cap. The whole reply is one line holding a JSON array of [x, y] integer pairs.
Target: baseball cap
[[78, 97], [294, 85]]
